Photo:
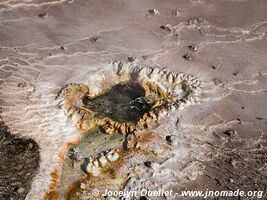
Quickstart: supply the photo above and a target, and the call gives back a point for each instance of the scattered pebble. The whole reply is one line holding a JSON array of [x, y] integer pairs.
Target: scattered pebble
[[235, 73], [148, 163], [177, 122], [170, 138], [187, 57], [74, 154], [231, 180], [259, 118], [22, 84], [193, 47], [154, 12], [62, 48], [230, 133], [130, 59], [196, 20], [213, 67], [94, 39], [243, 107], [43, 15], [175, 13], [166, 27]]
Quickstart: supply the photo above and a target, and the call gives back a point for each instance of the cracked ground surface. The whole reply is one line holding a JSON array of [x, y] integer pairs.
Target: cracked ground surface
[[218, 144]]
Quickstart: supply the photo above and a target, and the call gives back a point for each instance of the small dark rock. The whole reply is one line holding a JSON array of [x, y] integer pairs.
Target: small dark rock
[[187, 57], [148, 163], [243, 107], [175, 13], [130, 59], [193, 47], [235, 73], [62, 48], [170, 138], [213, 67], [229, 133], [259, 118], [177, 122], [154, 11], [196, 20], [166, 28], [43, 15], [74, 154], [22, 84], [94, 39]]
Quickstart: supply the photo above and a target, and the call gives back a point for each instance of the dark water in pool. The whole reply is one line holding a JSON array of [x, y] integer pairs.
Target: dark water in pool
[[122, 103]]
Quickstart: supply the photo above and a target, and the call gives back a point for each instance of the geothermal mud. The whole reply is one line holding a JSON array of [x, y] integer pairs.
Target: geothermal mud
[[131, 99], [162, 91]]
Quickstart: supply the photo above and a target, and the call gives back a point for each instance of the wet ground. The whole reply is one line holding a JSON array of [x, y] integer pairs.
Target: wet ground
[[19, 164], [122, 103], [73, 171]]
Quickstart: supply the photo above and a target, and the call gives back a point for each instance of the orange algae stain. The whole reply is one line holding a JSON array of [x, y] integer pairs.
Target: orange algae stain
[[72, 190], [147, 137], [52, 193], [66, 146], [144, 139]]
